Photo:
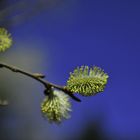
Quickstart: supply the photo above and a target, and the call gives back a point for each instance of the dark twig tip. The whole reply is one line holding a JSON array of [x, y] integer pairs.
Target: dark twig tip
[[1, 66]]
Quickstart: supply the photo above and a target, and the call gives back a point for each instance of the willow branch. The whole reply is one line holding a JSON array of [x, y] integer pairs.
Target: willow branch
[[39, 78]]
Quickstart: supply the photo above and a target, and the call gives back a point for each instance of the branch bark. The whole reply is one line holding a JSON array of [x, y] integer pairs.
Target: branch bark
[[39, 77]]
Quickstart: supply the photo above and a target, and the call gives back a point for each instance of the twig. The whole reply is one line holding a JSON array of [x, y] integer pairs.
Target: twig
[[39, 77]]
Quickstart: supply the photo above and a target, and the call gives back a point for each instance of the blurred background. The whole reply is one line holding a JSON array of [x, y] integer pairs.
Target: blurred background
[[53, 37]]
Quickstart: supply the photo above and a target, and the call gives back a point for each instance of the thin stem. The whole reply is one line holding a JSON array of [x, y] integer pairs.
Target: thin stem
[[39, 78]]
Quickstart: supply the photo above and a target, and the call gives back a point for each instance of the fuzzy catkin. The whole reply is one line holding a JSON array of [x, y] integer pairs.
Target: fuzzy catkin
[[87, 81], [56, 106], [5, 40]]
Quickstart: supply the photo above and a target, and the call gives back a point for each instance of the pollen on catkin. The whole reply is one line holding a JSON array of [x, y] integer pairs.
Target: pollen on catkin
[[87, 81], [5, 40], [56, 106]]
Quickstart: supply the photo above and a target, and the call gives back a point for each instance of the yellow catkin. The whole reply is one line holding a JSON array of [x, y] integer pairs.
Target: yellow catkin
[[87, 81], [5, 40]]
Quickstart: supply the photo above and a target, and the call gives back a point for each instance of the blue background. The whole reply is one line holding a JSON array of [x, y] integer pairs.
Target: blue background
[[91, 32]]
